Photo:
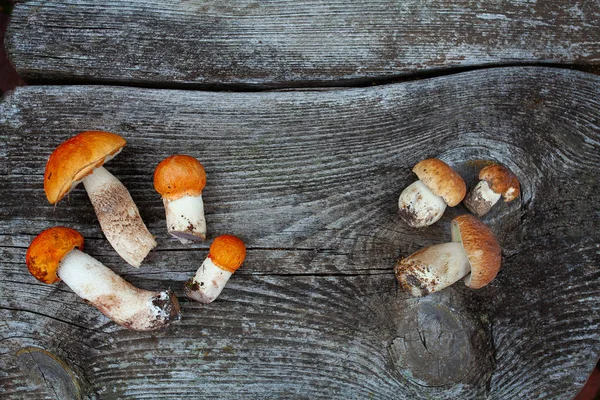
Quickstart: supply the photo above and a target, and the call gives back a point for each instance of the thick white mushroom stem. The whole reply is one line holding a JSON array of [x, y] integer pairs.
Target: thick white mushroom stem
[[433, 268], [133, 308], [119, 217], [185, 218], [208, 282], [419, 207], [481, 199]]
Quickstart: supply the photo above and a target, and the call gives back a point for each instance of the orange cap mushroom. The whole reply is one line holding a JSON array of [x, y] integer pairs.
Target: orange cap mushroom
[[179, 175], [55, 254], [226, 255], [180, 180], [76, 158], [47, 250]]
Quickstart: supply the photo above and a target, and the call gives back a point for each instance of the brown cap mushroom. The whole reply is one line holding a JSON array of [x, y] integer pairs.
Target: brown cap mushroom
[[180, 179], [56, 254], [226, 255], [473, 254], [495, 180], [80, 159], [423, 202]]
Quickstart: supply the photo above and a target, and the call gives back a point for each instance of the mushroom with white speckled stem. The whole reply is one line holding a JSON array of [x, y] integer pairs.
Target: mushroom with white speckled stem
[[179, 180], [80, 159], [473, 254], [55, 254], [423, 202], [495, 181], [225, 256]]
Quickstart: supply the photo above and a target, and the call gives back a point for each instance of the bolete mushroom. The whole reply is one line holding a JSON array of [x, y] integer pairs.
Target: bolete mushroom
[[180, 180], [473, 254], [225, 256], [56, 254], [495, 181], [423, 202], [80, 159]]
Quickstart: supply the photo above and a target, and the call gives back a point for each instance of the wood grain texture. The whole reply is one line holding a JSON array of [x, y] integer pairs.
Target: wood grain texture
[[310, 181], [291, 43]]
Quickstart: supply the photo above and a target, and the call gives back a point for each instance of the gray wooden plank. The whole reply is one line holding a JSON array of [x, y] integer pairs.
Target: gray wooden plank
[[310, 180], [291, 43]]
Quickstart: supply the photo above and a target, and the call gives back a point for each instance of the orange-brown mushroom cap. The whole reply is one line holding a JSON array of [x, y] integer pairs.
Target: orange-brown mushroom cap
[[227, 252], [76, 158], [48, 249], [442, 180], [501, 180], [481, 246], [179, 175]]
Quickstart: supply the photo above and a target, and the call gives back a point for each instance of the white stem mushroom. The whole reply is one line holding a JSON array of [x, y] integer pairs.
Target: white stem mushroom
[[495, 181], [473, 254], [80, 158], [424, 202], [53, 255], [180, 180], [226, 255]]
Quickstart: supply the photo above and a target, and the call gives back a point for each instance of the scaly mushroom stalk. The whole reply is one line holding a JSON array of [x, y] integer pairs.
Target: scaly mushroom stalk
[[226, 255], [423, 202], [180, 180], [55, 254], [118, 216], [80, 158], [473, 254]]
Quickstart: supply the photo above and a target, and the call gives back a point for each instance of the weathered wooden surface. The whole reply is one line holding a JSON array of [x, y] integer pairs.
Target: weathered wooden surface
[[310, 180], [283, 43]]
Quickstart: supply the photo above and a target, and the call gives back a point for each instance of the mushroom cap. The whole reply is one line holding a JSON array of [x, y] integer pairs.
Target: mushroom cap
[[179, 175], [227, 252], [442, 180], [501, 180], [48, 249], [75, 158], [482, 248]]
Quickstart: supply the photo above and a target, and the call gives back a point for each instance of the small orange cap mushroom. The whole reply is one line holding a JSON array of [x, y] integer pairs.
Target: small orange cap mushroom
[[501, 180], [48, 249], [227, 252], [76, 158], [179, 175]]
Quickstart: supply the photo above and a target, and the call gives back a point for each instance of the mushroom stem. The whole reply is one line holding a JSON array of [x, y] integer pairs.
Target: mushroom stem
[[133, 308], [208, 282], [433, 268], [419, 206], [185, 218], [119, 216], [481, 199]]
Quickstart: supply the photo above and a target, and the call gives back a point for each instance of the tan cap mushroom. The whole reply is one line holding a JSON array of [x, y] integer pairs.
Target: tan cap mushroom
[[226, 255], [473, 254], [495, 180], [423, 202], [81, 159], [180, 179], [56, 254]]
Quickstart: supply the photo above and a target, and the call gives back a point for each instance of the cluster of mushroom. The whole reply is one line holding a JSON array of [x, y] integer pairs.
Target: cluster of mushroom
[[473, 252], [56, 253]]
